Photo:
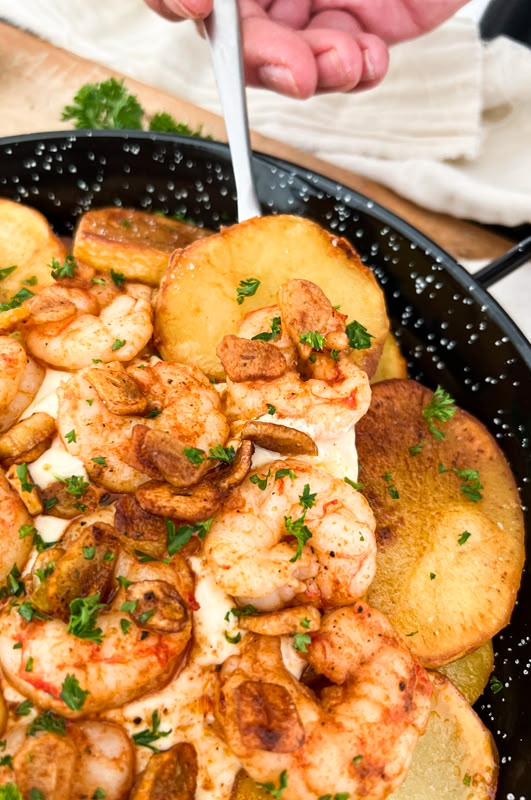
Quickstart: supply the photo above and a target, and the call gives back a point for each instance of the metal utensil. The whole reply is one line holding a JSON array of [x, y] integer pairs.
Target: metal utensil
[[222, 30]]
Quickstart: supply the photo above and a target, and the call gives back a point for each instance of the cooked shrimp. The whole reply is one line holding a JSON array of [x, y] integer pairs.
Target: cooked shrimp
[[187, 409], [296, 532], [266, 320], [116, 650], [74, 762], [72, 334], [332, 394], [14, 548], [355, 738], [20, 378]]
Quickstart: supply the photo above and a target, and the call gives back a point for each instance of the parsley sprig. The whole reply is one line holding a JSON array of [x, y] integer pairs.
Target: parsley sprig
[[83, 614], [300, 531], [441, 408], [146, 737], [272, 334], [109, 105], [177, 537], [272, 789], [359, 337], [246, 288]]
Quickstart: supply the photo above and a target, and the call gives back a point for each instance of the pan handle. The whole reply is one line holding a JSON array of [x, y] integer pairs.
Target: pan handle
[[505, 264]]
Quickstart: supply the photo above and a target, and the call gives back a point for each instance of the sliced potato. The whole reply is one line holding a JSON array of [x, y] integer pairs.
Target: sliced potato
[[456, 758], [470, 674], [448, 568], [28, 243], [197, 302], [135, 243], [392, 363]]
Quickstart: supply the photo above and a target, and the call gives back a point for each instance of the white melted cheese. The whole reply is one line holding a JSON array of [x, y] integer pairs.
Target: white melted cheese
[[338, 455]]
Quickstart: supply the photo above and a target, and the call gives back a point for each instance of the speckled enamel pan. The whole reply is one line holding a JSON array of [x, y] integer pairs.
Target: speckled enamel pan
[[448, 326]]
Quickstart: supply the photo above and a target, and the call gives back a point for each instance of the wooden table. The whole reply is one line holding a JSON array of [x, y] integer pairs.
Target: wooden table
[[38, 80]]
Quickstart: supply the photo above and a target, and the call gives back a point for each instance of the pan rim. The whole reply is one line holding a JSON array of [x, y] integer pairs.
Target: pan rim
[[217, 148]]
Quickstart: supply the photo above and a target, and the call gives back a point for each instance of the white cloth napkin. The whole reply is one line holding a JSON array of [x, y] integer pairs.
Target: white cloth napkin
[[449, 128]]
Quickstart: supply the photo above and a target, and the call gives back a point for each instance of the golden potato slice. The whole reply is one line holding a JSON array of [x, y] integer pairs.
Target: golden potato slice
[[456, 758], [470, 674], [135, 243], [198, 300], [450, 541], [28, 243], [392, 363]]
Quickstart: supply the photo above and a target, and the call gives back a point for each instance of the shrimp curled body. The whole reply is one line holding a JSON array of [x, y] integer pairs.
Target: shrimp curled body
[[327, 401], [128, 655], [254, 556], [180, 402], [117, 333], [356, 738]]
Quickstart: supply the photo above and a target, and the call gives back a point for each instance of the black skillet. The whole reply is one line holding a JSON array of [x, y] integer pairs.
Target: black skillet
[[448, 326]]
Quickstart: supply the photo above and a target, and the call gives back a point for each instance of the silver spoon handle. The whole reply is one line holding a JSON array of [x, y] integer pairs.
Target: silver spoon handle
[[222, 29]]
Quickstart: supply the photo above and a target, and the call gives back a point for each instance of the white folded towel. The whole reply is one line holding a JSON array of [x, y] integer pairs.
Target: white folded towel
[[449, 128]]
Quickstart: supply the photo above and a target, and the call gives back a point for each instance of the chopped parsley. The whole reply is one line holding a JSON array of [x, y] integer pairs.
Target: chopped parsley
[[391, 488], [5, 271], [117, 344], [82, 621], [146, 737], [301, 532], [272, 334], [359, 337], [194, 455], [441, 408], [219, 453], [260, 482], [178, 537], [24, 708], [27, 611], [300, 640], [89, 552], [233, 639], [70, 436], [495, 684], [246, 288], [471, 484], [246, 611], [100, 460], [315, 339], [72, 694], [47, 721], [118, 277], [125, 624], [17, 300], [23, 475], [462, 538], [271, 409], [76, 485], [355, 485], [284, 473], [65, 270], [272, 789], [29, 664], [307, 499], [415, 449]]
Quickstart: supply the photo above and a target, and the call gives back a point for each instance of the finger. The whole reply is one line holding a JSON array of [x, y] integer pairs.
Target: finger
[[345, 62], [394, 20], [277, 58], [176, 10], [294, 15]]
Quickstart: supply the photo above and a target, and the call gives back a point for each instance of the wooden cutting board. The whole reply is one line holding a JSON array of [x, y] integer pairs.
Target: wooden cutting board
[[38, 80]]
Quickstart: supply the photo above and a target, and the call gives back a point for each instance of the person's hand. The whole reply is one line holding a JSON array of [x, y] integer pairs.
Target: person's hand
[[300, 47]]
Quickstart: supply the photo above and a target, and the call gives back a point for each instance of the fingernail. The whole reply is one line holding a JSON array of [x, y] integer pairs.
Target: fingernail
[[278, 78], [369, 73]]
